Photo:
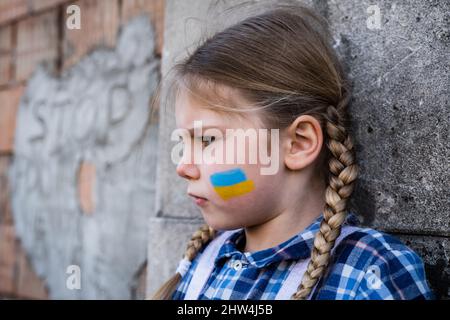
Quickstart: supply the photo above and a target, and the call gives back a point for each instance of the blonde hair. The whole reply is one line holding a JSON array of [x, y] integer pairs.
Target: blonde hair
[[281, 60]]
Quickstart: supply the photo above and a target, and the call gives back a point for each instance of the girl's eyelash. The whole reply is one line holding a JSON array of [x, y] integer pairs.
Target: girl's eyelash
[[208, 139], [203, 139]]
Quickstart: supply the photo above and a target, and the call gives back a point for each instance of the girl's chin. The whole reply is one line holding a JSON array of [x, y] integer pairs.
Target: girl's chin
[[218, 223]]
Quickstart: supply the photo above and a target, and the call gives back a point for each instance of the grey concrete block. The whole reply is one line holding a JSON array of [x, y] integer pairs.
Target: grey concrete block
[[400, 74], [435, 252], [167, 242]]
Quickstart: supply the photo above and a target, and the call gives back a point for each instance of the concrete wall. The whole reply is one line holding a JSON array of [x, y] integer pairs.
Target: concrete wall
[[400, 74]]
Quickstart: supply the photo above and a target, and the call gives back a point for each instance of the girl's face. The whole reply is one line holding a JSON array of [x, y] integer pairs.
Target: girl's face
[[229, 194]]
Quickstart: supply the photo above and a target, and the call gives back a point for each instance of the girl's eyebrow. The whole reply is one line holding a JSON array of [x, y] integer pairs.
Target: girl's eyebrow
[[191, 130]]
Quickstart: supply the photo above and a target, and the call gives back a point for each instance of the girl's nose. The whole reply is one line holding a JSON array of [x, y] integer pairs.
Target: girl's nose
[[188, 170]]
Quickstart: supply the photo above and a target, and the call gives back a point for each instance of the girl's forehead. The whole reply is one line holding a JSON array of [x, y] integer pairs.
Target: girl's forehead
[[190, 107], [210, 97], [209, 107]]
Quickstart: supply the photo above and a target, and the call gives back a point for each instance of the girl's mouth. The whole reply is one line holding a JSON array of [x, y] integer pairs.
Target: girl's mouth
[[200, 201]]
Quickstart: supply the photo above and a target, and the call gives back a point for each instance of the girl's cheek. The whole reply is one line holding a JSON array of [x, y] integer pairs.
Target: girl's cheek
[[231, 184]]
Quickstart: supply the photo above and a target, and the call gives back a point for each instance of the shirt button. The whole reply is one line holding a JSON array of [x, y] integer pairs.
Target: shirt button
[[237, 265]]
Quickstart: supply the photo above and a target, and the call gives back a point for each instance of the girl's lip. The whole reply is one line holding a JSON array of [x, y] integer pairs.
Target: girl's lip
[[200, 201], [195, 196]]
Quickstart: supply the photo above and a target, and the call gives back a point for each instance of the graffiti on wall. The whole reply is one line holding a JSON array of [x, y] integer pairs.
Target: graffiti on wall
[[96, 115]]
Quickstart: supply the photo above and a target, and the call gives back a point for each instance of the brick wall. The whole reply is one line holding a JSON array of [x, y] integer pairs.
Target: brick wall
[[33, 32]]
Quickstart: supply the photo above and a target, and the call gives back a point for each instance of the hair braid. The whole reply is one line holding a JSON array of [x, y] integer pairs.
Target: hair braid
[[200, 237], [198, 240], [343, 172]]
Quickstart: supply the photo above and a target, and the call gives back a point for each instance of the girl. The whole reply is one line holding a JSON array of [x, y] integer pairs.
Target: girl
[[286, 235]]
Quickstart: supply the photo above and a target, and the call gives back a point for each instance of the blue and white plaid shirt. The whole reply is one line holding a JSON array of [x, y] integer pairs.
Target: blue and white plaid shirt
[[366, 265]]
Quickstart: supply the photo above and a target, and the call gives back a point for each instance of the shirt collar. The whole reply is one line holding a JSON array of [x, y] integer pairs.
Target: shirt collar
[[297, 247]]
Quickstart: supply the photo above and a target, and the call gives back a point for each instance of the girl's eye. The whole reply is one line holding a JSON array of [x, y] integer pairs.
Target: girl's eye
[[207, 140]]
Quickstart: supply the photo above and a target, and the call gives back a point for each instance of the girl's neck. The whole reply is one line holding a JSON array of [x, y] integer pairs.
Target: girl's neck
[[283, 226]]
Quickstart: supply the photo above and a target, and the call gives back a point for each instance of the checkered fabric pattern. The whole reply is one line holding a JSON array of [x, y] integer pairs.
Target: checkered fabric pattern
[[366, 265]]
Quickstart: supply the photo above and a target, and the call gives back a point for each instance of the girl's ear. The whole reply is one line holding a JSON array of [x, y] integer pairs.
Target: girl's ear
[[303, 142]]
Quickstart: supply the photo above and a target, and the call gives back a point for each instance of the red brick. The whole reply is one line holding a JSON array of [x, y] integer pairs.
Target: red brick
[[40, 5], [12, 9], [154, 9], [37, 41], [6, 39], [5, 68], [17, 277], [7, 259], [5, 54], [10, 99], [29, 285], [86, 184], [99, 26], [5, 202]]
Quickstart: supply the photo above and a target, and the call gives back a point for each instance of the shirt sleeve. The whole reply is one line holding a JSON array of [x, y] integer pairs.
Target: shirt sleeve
[[397, 275], [395, 272], [372, 265]]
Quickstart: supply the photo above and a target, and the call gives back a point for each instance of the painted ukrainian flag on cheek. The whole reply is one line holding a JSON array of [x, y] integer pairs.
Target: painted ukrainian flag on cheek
[[231, 183]]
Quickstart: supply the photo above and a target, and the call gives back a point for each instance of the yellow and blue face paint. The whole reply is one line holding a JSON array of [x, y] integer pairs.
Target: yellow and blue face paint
[[231, 183]]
